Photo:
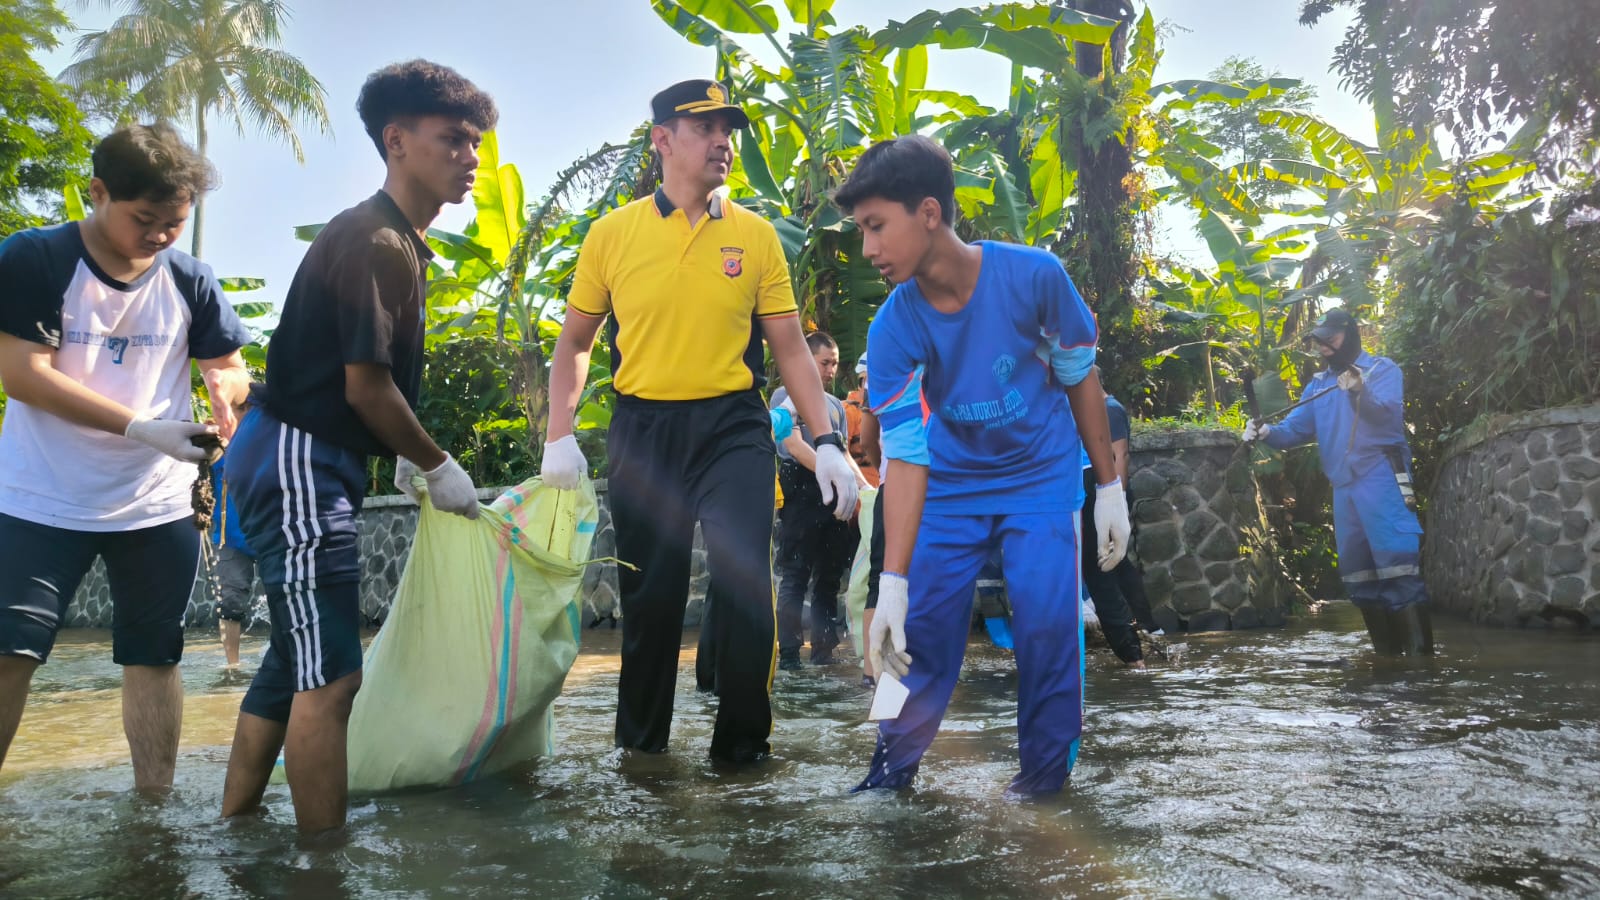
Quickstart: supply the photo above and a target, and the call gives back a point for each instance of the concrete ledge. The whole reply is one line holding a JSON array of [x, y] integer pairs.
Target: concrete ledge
[[1182, 440]]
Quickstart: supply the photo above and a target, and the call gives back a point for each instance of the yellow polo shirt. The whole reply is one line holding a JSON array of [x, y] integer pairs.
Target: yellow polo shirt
[[686, 303]]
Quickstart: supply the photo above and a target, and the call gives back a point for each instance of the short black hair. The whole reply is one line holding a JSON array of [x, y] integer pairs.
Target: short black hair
[[819, 340], [411, 90], [151, 162], [906, 170]]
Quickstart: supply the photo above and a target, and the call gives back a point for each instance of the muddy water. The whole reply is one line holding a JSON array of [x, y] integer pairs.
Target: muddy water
[[1286, 763]]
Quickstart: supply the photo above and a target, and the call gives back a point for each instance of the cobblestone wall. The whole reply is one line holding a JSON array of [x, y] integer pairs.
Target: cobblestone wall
[[1201, 534], [1511, 536], [1203, 542]]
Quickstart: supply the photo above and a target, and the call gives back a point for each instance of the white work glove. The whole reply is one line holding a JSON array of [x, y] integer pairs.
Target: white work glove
[[1255, 431], [404, 472], [451, 489], [170, 436], [887, 635], [1350, 380], [1111, 524], [837, 480], [564, 464]]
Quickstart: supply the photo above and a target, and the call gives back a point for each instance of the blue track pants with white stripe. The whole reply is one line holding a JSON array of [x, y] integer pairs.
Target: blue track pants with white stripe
[[297, 497], [1040, 560]]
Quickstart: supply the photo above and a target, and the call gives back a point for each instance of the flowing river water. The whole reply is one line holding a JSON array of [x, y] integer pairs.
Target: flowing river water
[[1287, 763]]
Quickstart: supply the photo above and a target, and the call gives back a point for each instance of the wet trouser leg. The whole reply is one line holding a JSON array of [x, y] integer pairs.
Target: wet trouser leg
[[705, 656], [655, 533], [833, 561], [799, 536], [875, 550], [1041, 570], [1130, 580], [1042, 581], [733, 496], [1379, 542], [1110, 607], [944, 572]]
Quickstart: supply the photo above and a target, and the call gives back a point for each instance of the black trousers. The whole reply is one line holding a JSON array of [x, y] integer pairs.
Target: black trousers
[[672, 463], [876, 549], [813, 556], [1110, 605]]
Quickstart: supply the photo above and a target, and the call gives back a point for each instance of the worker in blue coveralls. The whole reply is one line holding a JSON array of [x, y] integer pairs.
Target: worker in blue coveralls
[[1360, 433], [980, 365]]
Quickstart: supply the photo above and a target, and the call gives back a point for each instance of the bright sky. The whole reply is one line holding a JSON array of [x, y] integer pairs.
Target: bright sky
[[570, 75]]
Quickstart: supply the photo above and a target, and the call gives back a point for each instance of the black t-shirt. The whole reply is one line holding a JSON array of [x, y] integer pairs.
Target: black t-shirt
[[356, 298]]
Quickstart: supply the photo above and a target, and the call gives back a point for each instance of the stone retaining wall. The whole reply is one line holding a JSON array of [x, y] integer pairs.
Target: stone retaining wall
[[1208, 555], [1511, 536], [1206, 549]]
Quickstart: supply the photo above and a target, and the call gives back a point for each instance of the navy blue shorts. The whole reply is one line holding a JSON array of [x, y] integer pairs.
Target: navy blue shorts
[[151, 571], [297, 497], [316, 640]]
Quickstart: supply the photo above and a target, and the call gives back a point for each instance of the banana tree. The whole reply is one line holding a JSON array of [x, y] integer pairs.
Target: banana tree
[[1239, 305], [1370, 203], [835, 90]]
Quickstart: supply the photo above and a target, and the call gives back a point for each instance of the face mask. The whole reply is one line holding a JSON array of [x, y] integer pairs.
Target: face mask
[[1348, 351]]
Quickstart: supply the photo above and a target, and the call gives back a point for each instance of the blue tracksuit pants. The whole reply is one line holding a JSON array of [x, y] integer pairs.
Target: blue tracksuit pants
[[1040, 552], [1379, 542]]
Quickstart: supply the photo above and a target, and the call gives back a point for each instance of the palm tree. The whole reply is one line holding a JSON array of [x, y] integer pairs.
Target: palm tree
[[183, 58]]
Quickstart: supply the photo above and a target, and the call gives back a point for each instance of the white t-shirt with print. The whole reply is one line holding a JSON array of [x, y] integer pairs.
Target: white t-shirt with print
[[128, 342]]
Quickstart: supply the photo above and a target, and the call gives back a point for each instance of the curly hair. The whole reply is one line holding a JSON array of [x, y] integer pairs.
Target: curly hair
[[151, 162], [411, 90], [906, 170]]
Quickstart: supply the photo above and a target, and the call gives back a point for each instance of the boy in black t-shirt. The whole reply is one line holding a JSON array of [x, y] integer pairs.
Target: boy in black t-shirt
[[343, 372]]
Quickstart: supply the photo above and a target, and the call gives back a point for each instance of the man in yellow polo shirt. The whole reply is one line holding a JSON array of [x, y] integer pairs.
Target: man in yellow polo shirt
[[688, 285]]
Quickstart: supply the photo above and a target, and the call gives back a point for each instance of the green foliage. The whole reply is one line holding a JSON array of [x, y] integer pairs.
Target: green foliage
[[1238, 131], [188, 59], [1500, 316], [1481, 68], [44, 146]]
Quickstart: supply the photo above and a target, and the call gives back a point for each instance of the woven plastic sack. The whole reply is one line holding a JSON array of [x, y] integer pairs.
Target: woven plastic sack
[[482, 632], [855, 597]]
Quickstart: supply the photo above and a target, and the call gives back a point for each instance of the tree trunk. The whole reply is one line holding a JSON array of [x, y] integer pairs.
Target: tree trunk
[[1100, 243], [1212, 407], [197, 221]]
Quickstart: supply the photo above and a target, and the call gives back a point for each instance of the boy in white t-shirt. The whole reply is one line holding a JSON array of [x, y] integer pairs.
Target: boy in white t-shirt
[[98, 322]]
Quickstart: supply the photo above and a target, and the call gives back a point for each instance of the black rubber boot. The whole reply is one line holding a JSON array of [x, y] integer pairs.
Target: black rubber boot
[[1413, 629], [1381, 628]]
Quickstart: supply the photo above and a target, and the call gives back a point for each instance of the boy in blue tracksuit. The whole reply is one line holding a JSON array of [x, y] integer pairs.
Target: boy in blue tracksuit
[[968, 359], [1360, 433]]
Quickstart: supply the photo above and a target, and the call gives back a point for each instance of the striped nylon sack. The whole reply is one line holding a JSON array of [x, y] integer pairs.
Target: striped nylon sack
[[460, 680]]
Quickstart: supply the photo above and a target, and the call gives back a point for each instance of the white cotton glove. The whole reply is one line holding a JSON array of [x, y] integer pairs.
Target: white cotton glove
[[564, 464], [887, 635], [1350, 380], [1111, 524], [170, 436], [1255, 431], [451, 489], [405, 471], [837, 480]]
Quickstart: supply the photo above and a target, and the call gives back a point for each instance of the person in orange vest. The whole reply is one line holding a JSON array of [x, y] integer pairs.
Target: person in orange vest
[[854, 407]]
